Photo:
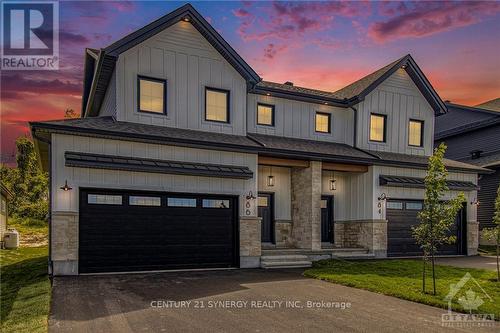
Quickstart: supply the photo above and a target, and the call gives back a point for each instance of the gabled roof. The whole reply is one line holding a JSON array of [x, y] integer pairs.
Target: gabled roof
[[356, 91], [93, 94], [461, 119], [493, 105]]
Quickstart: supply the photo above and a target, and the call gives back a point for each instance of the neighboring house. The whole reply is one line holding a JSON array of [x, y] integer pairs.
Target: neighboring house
[[473, 136], [5, 196], [185, 158]]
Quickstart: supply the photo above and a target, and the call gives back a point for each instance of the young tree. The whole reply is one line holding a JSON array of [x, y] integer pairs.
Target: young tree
[[494, 233], [27, 182], [437, 215]]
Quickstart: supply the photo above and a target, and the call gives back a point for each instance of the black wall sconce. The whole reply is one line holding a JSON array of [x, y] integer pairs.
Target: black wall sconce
[[270, 178], [66, 187], [333, 182]]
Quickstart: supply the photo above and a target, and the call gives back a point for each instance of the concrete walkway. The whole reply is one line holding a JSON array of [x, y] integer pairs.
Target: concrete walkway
[[231, 301], [482, 262]]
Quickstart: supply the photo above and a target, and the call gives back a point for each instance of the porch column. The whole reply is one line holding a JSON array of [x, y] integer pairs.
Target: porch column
[[306, 212]]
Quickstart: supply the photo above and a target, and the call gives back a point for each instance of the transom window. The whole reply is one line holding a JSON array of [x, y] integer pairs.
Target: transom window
[[152, 94], [265, 114], [416, 133], [104, 199], [181, 202], [394, 205], [135, 200], [323, 122], [377, 127], [263, 202], [215, 203], [217, 105], [414, 205]]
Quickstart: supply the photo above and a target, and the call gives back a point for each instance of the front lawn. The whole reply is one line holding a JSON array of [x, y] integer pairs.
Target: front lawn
[[403, 279], [25, 290]]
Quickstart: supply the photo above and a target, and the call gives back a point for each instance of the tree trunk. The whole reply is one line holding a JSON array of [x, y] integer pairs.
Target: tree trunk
[[498, 263], [433, 275], [423, 275]]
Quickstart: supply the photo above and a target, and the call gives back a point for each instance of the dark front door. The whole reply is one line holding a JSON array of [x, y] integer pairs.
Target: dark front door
[[402, 215], [265, 202], [327, 219], [139, 231]]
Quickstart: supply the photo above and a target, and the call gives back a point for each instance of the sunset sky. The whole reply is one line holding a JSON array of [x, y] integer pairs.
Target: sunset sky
[[324, 45]]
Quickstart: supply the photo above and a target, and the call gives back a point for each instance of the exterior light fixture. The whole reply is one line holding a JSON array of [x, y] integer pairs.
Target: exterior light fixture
[[185, 19], [66, 187], [475, 202], [383, 196], [268, 94], [270, 178], [326, 103], [404, 66], [333, 182]]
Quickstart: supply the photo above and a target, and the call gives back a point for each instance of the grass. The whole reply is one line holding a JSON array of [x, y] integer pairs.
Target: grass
[[25, 290], [403, 279]]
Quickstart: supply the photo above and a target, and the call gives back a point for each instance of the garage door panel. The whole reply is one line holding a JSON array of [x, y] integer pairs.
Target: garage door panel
[[125, 237]]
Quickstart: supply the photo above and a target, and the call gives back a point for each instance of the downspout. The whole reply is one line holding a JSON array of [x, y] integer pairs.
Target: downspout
[[49, 201], [355, 135]]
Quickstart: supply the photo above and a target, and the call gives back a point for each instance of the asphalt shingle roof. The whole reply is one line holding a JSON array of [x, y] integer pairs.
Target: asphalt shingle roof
[[493, 105], [296, 89]]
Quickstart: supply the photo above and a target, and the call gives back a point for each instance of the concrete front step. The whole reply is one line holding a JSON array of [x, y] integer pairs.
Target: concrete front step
[[292, 257], [285, 264]]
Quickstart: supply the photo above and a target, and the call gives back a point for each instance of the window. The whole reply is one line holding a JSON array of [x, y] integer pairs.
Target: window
[[377, 127], [134, 200], [414, 205], [217, 105], [265, 114], [323, 203], [394, 205], [104, 199], [263, 202], [322, 122], [416, 133], [215, 203], [152, 95], [181, 202]]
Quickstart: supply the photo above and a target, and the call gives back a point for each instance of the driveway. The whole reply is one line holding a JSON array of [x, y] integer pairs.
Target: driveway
[[229, 301], [482, 262]]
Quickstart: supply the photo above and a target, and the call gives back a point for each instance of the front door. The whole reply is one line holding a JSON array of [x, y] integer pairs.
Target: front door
[[265, 203], [327, 219]]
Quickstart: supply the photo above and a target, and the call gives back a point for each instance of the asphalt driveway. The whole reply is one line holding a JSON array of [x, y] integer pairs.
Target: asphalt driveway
[[230, 301]]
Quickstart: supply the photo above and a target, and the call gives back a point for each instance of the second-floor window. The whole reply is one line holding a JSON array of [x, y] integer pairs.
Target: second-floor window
[[217, 105], [152, 95], [378, 124], [416, 133], [265, 114], [323, 122]]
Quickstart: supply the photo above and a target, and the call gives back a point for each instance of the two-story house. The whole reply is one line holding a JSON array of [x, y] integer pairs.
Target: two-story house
[[185, 158], [472, 135]]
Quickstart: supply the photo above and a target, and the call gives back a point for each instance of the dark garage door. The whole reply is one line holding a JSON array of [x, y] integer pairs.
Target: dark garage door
[[402, 215], [139, 231]]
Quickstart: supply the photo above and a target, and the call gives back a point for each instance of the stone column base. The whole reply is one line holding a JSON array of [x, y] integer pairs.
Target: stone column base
[[64, 243], [369, 234], [283, 233], [250, 241], [472, 237]]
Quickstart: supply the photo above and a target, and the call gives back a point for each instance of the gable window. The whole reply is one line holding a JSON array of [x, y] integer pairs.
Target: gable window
[[265, 114], [152, 95], [378, 124], [416, 133], [217, 105], [323, 122]]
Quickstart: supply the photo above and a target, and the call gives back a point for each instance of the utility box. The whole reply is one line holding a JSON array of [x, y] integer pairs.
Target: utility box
[[11, 239]]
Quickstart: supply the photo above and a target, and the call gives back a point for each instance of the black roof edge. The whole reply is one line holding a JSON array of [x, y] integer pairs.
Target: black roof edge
[[298, 96], [64, 129], [195, 18], [467, 128], [472, 108]]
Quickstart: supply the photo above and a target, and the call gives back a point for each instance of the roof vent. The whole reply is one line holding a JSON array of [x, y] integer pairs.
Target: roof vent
[[475, 154], [288, 83]]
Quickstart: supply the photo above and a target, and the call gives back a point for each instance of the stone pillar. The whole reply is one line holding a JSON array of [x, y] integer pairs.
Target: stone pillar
[[64, 237], [250, 242], [306, 211], [472, 237], [283, 233]]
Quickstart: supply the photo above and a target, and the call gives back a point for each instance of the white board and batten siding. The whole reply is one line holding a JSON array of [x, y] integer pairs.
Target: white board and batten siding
[[282, 190], [399, 98], [108, 107], [115, 179], [296, 119], [185, 59]]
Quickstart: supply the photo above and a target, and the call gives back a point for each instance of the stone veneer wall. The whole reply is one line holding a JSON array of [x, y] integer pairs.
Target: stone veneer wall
[[250, 242], [306, 212], [283, 233], [472, 237], [64, 237], [370, 234]]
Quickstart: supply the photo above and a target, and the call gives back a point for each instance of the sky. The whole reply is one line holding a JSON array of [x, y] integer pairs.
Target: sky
[[321, 45]]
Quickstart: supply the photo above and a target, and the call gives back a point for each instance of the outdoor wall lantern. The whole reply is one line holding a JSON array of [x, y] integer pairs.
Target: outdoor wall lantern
[[66, 187], [333, 182], [475, 202], [270, 178], [383, 196]]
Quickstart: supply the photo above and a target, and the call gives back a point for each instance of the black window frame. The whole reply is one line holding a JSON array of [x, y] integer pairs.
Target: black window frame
[[384, 140], [272, 114], [153, 79], [228, 99], [329, 122], [421, 132]]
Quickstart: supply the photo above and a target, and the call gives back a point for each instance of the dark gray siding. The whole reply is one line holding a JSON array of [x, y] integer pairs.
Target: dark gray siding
[[489, 185]]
